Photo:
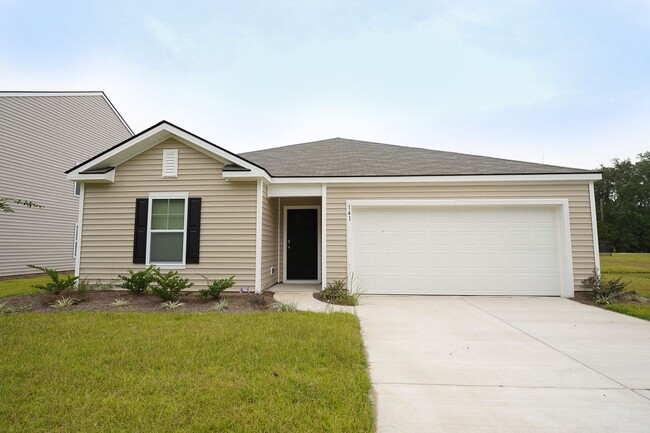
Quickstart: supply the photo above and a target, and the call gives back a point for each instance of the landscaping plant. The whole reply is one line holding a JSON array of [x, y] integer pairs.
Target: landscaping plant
[[64, 302], [172, 305], [168, 286], [138, 283], [57, 284], [284, 307], [119, 302], [220, 305], [336, 292], [606, 291], [217, 286]]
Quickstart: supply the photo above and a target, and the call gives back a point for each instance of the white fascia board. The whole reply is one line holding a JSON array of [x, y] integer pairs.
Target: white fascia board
[[461, 202], [439, 179], [295, 190], [108, 177], [154, 136]]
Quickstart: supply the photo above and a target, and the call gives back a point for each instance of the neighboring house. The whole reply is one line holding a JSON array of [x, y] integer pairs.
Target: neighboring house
[[40, 133], [390, 219]]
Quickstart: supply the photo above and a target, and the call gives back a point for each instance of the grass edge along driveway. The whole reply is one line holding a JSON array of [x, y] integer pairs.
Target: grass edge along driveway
[[632, 267], [133, 372]]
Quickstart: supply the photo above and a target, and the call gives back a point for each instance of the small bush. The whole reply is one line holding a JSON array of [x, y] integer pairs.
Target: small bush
[[64, 302], [57, 284], [119, 302], [606, 291], [284, 307], [336, 292], [217, 286], [172, 305], [258, 299], [168, 286], [220, 305], [138, 283]]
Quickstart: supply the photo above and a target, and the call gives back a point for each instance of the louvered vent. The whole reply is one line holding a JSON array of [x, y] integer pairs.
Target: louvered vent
[[170, 163]]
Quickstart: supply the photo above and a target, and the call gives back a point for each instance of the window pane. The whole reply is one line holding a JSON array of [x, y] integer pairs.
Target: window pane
[[166, 248], [177, 206], [160, 207], [175, 222], [158, 222]]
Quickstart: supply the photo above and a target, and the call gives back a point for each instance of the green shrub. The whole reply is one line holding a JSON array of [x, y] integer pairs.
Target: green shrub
[[606, 291], [168, 286], [57, 284], [336, 292], [217, 286], [138, 283], [258, 299]]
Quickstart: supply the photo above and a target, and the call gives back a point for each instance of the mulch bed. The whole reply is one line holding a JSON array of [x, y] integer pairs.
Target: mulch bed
[[585, 297], [100, 300]]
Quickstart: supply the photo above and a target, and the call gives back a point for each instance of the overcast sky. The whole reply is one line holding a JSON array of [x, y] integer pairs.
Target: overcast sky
[[562, 82]]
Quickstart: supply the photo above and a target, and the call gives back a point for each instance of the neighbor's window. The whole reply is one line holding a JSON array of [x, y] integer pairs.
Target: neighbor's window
[[77, 189], [167, 230]]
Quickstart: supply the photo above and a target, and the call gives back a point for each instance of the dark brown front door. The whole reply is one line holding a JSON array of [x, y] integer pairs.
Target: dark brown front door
[[302, 244]]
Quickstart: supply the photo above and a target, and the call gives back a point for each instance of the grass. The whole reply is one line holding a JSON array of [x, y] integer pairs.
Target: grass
[[21, 286], [133, 372], [642, 311], [634, 268]]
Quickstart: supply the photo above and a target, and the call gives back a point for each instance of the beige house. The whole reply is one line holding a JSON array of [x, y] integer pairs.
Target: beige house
[[41, 132], [387, 219]]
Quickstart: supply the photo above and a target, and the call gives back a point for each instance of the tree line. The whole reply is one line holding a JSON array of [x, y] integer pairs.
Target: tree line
[[623, 205]]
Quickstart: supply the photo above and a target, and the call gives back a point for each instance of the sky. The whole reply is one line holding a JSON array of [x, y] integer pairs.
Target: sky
[[560, 82]]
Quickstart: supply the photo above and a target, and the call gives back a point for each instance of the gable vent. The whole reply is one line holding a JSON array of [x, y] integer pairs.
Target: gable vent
[[170, 163]]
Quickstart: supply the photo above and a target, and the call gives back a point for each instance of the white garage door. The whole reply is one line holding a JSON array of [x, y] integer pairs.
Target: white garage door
[[456, 250]]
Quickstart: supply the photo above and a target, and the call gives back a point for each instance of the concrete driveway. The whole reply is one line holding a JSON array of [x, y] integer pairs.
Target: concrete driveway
[[488, 364]]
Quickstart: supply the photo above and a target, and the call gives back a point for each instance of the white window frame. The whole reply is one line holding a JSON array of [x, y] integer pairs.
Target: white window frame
[[167, 195], [74, 189]]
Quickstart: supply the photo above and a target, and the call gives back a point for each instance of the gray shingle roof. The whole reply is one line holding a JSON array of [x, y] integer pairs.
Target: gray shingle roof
[[344, 157]]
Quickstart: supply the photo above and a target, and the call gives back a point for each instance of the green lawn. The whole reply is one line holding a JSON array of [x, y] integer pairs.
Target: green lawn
[[20, 286], [634, 268], [132, 372]]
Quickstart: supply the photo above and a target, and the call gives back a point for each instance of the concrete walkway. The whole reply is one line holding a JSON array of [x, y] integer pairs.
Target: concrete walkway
[[486, 364], [305, 301]]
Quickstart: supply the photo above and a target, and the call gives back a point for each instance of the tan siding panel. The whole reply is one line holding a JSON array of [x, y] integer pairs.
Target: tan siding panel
[[269, 238], [228, 214], [577, 194]]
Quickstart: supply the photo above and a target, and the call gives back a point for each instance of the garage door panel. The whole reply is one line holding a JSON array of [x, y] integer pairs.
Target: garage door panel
[[457, 250]]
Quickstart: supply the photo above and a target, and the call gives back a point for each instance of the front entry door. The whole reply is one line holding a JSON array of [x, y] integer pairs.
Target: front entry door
[[302, 244]]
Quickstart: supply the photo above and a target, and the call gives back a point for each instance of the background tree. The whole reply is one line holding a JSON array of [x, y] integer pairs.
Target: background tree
[[6, 202], [623, 205]]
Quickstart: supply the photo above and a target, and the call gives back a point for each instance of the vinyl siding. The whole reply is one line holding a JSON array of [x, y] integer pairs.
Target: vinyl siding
[[292, 201], [576, 192], [269, 238], [40, 138], [228, 215]]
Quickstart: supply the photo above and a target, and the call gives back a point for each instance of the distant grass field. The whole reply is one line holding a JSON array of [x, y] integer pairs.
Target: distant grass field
[[20, 286], [634, 268]]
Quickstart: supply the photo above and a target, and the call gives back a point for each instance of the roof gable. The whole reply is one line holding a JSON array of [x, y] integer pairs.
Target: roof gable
[[340, 157], [149, 138]]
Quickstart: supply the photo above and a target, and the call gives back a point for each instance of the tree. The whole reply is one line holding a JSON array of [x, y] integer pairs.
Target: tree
[[6, 202], [623, 204]]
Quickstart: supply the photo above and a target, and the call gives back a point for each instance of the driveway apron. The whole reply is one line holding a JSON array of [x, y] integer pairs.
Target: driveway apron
[[505, 364]]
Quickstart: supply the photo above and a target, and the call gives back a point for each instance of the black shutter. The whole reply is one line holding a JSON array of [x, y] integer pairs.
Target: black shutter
[[140, 231], [193, 230]]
